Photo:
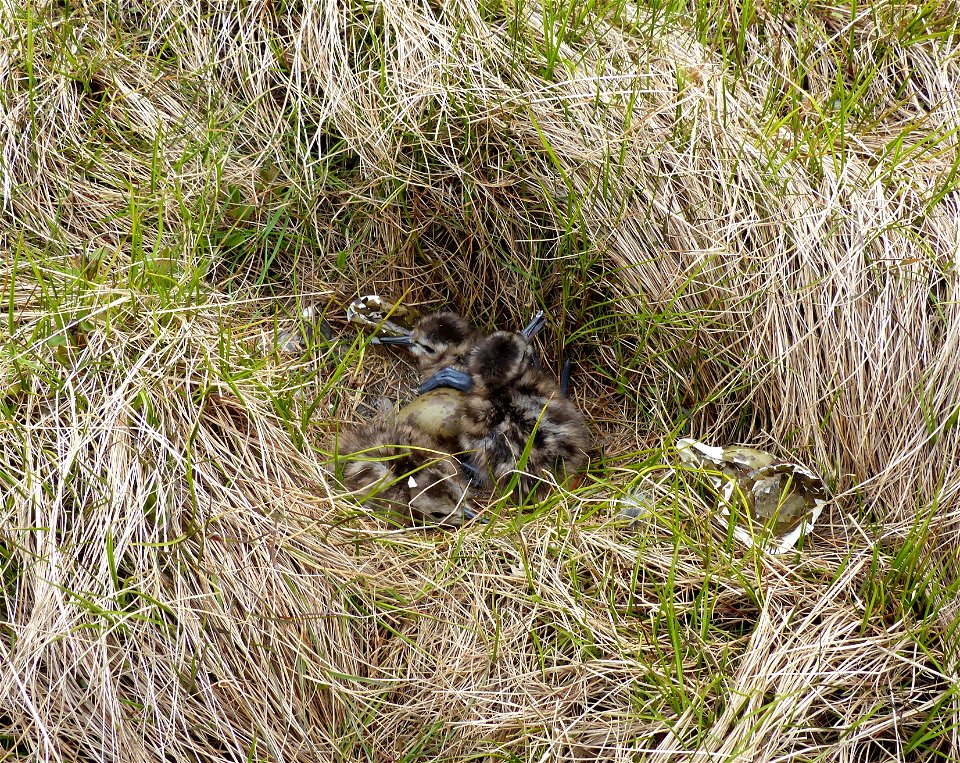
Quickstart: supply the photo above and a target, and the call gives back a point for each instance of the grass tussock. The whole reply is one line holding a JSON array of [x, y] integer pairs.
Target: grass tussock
[[742, 220]]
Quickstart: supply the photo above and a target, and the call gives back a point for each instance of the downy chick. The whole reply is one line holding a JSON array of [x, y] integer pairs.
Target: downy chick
[[397, 468], [440, 343], [513, 401]]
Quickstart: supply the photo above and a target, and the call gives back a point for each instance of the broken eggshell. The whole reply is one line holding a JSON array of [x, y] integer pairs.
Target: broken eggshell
[[776, 492], [385, 318]]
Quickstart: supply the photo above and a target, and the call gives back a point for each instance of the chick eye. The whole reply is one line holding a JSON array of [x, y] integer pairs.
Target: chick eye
[[428, 348]]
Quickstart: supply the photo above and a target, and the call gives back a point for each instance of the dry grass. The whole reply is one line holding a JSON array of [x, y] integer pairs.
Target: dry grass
[[742, 219]]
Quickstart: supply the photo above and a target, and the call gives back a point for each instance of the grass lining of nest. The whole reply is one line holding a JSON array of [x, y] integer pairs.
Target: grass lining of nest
[[742, 223]]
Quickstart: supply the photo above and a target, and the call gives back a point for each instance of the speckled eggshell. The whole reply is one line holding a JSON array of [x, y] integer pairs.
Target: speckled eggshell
[[436, 413]]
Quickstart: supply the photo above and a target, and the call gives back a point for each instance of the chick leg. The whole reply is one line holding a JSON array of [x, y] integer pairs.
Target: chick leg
[[448, 377], [565, 377]]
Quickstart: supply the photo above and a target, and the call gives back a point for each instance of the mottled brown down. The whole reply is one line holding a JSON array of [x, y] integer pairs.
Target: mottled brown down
[[442, 340], [513, 401], [397, 468]]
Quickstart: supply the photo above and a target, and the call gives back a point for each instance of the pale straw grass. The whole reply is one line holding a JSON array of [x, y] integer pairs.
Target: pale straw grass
[[743, 225]]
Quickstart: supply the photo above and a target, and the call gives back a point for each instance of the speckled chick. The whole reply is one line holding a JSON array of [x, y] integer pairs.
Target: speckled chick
[[513, 400], [440, 343], [397, 468]]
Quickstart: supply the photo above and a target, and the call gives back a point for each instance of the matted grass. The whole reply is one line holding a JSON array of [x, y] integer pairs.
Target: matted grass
[[744, 224]]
